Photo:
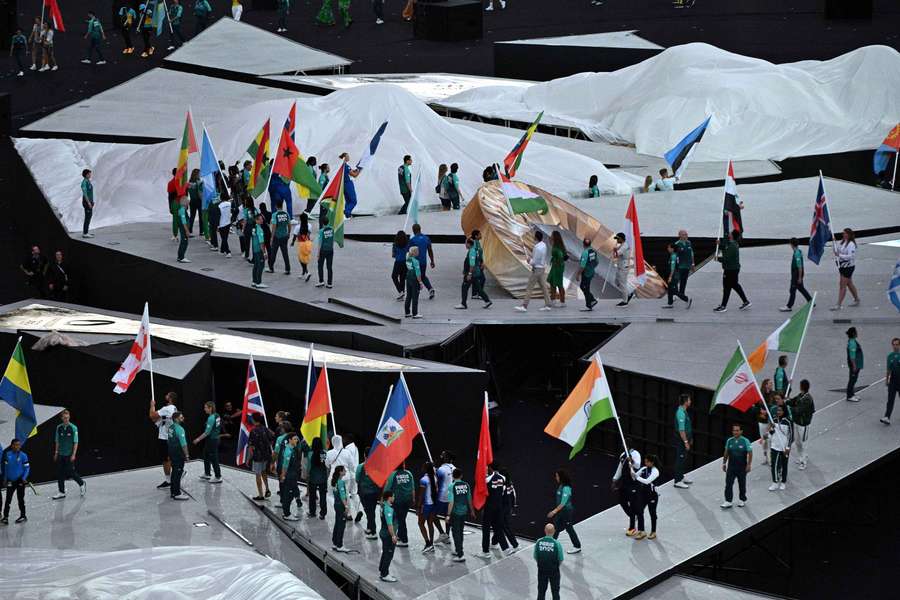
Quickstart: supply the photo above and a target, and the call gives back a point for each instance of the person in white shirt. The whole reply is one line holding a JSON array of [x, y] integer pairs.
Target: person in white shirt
[[538, 274], [665, 183], [224, 226], [781, 433], [646, 495], [162, 418], [626, 487], [444, 479], [846, 258], [348, 457], [622, 255]]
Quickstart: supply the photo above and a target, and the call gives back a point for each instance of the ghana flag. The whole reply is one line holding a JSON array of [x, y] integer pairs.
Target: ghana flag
[[15, 390], [262, 167]]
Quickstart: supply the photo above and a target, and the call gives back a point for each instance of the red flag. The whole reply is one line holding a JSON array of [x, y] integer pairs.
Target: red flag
[[485, 457], [138, 358], [253, 404], [55, 15], [633, 238]]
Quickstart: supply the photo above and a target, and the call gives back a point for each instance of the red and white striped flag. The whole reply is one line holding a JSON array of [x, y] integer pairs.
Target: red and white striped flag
[[139, 358], [633, 239], [55, 15]]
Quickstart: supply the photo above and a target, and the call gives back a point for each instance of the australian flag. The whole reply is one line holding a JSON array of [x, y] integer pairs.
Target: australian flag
[[253, 404], [820, 232]]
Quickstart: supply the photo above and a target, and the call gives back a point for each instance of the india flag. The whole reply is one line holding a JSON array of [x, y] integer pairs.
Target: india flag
[[589, 403], [786, 338], [737, 386]]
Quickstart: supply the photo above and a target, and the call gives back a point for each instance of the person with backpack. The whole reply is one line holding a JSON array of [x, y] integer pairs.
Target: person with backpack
[[854, 363], [260, 445], [803, 408]]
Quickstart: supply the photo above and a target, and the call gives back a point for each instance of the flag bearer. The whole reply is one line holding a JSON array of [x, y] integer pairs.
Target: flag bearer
[[548, 553], [492, 512], [178, 454], [460, 507], [211, 446], [66, 441], [626, 487], [388, 537], [14, 470], [782, 435], [736, 463]]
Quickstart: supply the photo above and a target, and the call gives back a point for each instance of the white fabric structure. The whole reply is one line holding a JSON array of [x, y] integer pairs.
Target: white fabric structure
[[130, 180], [173, 573], [760, 110]]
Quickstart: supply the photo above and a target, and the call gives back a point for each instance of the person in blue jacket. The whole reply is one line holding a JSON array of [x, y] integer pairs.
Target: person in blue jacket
[[14, 470]]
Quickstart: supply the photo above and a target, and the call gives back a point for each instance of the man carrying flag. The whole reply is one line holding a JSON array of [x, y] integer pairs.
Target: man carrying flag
[[679, 156], [334, 192], [394, 437], [15, 390], [139, 358], [514, 158]]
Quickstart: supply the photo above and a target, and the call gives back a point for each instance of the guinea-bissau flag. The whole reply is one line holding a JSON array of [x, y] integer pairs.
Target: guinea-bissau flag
[[290, 165]]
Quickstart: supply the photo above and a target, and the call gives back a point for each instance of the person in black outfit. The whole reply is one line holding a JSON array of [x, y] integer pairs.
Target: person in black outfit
[[510, 503], [731, 269], [289, 478], [318, 479], [58, 278], [35, 268], [492, 513]]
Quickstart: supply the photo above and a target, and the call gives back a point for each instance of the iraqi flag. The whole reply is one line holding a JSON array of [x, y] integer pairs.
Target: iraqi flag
[[55, 15], [633, 239], [398, 428], [139, 358], [485, 457], [590, 403], [368, 154], [731, 209], [679, 156], [737, 386], [820, 231], [253, 405]]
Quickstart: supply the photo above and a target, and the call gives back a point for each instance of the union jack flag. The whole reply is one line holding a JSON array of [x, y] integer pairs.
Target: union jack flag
[[820, 231], [253, 404]]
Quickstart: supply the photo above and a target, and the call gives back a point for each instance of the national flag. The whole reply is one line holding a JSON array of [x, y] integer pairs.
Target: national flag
[[315, 421], [412, 211], [820, 232], [139, 358], [334, 192], [731, 210], [514, 158], [679, 156], [55, 15], [591, 402], [520, 198], [893, 290], [369, 153], [290, 165], [737, 386], [159, 16], [485, 457], [15, 390], [253, 404], [259, 150], [890, 145], [209, 166], [290, 124], [633, 239], [784, 339], [188, 147], [398, 428]]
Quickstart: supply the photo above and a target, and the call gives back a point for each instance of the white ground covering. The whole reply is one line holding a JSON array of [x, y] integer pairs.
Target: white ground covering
[[760, 110], [130, 181], [173, 573]]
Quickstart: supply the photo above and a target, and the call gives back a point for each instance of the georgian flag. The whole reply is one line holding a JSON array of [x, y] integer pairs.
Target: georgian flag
[[138, 359]]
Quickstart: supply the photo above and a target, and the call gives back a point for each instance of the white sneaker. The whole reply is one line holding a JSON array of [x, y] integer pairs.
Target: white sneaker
[[681, 485], [520, 308], [54, 68], [835, 307], [489, 8], [785, 309], [206, 477], [401, 295], [885, 420], [802, 466], [460, 307], [773, 487], [741, 504], [170, 48], [403, 544], [58, 496], [84, 60], [291, 517], [687, 481], [83, 488], [574, 551], [44, 68], [853, 399], [320, 284], [388, 578], [261, 286], [379, 22], [184, 260], [371, 536], [545, 308], [485, 555], [854, 303], [216, 480], [509, 551], [34, 67], [503, 4], [458, 559], [725, 504], [443, 539], [782, 486], [427, 549], [182, 497], [101, 62], [20, 74]]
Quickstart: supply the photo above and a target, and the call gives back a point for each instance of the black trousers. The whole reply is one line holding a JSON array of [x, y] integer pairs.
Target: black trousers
[[564, 520], [175, 34], [223, 242], [211, 457], [627, 500], [88, 213], [475, 282], [506, 528], [126, 35], [406, 195], [369, 502], [318, 491], [279, 244], [736, 470], [398, 276], [683, 274], [387, 555], [585, 286], [548, 577], [492, 519], [183, 242], [893, 390], [145, 35], [797, 286], [680, 460], [646, 499], [340, 524], [289, 491], [177, 472], [730, 282], [676, 288], [851, 382], [457, 522], [66, 470], [325, 260], [19, 487], [246, 244], [411, 304], [400, 511], [779, 466]]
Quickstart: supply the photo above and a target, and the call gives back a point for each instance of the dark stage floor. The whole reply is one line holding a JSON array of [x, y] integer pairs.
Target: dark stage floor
[[769, 29]]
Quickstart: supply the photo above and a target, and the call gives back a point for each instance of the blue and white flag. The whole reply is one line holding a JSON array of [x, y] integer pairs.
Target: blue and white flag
[[820, 230], [209, 166], [369, 153], [159, 16], [412, 211], [679, 156], [893, 291]]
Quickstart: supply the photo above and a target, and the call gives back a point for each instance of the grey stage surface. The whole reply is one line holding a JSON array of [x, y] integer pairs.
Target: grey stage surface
[[282, 55], [679, 587], [111, 113]]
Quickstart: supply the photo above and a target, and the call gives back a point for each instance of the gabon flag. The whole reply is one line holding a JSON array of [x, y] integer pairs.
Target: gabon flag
[[737, 385], [188, 147], [484, 458], [633, 239]]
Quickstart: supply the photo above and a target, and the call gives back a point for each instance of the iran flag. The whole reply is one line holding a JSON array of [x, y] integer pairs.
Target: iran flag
[[737, 386], [139, 357], [633, 239]]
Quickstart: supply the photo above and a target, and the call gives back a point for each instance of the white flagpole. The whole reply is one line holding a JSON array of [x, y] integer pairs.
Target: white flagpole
[[800, 346], [150, 351], [43, 5], [311, 364], [416, 415], [722, 213], [896, 160], [328, 388]]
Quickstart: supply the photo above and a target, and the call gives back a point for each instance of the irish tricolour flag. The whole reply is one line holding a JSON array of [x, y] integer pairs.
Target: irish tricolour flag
[[737, 386], [589, 403], [787, 338]]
